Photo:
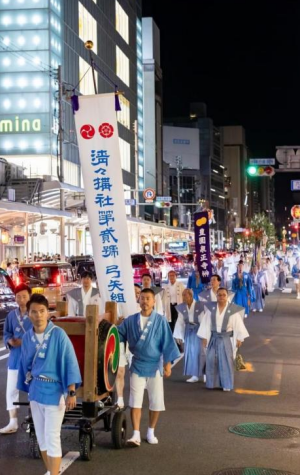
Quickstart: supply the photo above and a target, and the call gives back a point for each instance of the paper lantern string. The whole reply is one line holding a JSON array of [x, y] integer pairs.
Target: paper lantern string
[[74, 97]]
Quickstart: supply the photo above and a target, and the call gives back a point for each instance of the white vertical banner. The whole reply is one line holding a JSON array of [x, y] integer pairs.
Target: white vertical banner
[[98, 141]]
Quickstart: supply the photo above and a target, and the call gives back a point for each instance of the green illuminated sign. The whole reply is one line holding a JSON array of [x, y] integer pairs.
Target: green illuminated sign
[[17, 125]]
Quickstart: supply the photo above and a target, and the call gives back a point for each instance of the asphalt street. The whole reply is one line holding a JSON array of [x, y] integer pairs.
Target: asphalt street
[[193, 432]]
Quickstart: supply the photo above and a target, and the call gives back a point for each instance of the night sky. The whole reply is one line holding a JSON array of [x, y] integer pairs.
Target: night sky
[[240, 57]]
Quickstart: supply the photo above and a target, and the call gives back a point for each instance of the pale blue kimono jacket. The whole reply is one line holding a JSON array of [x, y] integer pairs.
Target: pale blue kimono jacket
[[194, 355], [15, 326], [56, 360], [148, 345]]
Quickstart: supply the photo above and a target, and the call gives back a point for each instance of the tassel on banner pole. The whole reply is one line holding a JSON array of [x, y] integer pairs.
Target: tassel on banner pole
[[117, 101], [75, 100]]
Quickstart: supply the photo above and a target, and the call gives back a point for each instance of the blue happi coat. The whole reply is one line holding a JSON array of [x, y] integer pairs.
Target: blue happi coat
[[243, 289], [56, 360], [148, 345], [15, 326], [194, 356], [219, 355], [192, 284]]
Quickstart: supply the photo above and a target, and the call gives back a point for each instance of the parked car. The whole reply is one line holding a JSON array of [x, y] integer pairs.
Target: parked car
[[7, 297], [188, 260], [164, 265], [86, 266], [143, 264], [52, 279], [177, 263], [76, 260]]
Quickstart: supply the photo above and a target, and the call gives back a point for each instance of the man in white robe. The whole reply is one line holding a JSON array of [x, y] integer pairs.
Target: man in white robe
[[210, 295], [222, 271], [172, 297], [185, 331], [79, 298], [222, 331]]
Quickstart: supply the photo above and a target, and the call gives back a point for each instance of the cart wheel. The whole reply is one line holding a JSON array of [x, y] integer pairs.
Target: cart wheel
[[34, 446], [119, 430], [85, 446]]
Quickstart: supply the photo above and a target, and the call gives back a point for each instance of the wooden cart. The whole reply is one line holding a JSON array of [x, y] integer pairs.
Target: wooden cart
[[97, 404]]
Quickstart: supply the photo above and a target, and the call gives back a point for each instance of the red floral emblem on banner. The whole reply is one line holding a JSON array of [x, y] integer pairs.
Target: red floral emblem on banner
[[106, 130], [87, 131]]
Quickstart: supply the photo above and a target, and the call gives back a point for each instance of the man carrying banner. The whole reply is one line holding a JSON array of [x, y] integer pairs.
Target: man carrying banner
[[186, 328], [222, 331], [152, 345], [125, 357]]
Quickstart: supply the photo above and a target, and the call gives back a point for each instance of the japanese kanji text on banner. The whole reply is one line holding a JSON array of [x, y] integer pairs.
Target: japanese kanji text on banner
[[202, 245], [98, 141]]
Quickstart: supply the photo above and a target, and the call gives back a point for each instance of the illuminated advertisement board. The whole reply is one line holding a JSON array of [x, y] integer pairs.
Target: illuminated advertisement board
[[31, 50]]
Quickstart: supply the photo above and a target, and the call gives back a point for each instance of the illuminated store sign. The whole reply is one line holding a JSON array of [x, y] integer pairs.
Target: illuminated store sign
[[17, 125]]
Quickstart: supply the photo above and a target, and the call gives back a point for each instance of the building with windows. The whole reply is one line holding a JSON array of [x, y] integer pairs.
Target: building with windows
[[153, 115], [181, 151], [211, 165], [36, 36], [237, 196]]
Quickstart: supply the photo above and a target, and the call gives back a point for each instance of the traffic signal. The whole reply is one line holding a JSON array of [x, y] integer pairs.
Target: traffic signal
[[260, 170], [163, 204]]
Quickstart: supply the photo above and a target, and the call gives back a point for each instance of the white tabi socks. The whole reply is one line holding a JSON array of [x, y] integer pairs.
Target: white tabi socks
[[120, 402], [151, 439], [11, 428], [135, 440]]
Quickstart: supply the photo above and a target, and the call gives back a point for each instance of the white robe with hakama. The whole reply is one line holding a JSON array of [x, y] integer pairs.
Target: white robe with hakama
[[221, 342]]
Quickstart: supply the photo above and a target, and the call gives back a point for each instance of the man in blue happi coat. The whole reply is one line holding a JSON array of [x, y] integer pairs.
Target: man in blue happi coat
[[16, 324], [50, 374], [186, 328], [222, 331], [243, 288], [153, 347]]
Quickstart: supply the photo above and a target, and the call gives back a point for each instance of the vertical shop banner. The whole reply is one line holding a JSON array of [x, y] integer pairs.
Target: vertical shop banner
[[98, 141], [202, 245]]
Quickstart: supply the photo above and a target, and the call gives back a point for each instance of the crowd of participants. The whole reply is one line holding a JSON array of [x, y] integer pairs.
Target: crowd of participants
[[204, 323]]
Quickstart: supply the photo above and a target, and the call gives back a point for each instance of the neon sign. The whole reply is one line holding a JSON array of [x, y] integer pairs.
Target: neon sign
[[17, 125]]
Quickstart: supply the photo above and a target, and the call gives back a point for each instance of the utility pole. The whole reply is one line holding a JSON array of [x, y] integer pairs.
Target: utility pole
[[179, 168], [136, 191], [61, 163]]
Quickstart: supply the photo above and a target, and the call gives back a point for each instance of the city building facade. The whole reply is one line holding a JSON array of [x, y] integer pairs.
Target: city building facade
[[235, 162], [211, 166], [38, 36]]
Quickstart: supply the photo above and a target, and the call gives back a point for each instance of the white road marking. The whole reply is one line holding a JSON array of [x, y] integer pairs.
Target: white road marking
[[4, 357], [2, 348], [178, 359], [67, 460], [277, 375]]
